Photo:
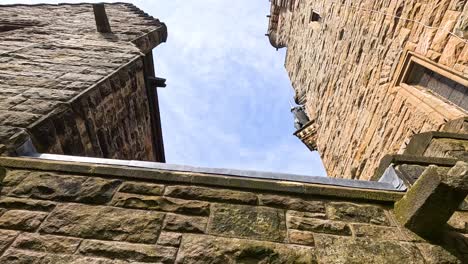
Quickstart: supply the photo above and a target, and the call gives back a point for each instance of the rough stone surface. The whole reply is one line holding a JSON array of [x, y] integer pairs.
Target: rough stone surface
[[215, 230], [127, 251], [46, 243], [179, 223], [357, 213], [209, 249], [26, 204], [319, 225], [459, 221], [430, 202], [102, 222], [167, 204], [66, 188], [345, 65], [334, 249], [436, 254], [292, 203], [448, 148], [71, 89], [246, 221], [142, 188], [21, 220], [377, 232], [170, 239], [28, 257], [211, 194], [6, 238], [301, 237]]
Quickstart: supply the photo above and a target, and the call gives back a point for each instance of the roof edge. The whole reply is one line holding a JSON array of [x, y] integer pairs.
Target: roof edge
[[61, 4], [188, 176]]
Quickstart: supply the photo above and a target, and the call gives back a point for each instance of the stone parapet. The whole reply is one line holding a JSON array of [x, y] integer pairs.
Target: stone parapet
[[68, 211]]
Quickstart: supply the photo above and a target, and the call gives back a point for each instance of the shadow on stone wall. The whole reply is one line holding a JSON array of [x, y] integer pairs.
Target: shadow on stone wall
[[454, 242], [3, 173]]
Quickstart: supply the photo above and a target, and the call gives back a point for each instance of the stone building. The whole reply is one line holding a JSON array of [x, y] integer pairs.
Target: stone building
[[372, 74], [69, 89], [79, 80]]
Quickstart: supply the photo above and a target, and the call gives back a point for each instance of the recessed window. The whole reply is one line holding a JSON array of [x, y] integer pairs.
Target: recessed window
[[438, 82], [315, 17]]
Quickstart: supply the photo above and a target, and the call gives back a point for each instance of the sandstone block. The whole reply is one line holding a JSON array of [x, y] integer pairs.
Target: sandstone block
[[142, 188], [336, 249], [209, 249], [357, 213], [292, 203], [102, 222], [26, 204], [180, 223], [28, 257], [307, 214], [128, 252], [17, 119], [167, 204], [170, 239], [46, 243], [248, 221], [6, 238], [49, 94], [459, 221], [452, 51], [437, 254], [14, 177], [318, 225], [21, 220], [51, 186], [377, 232], [441, 37], [301, 237], [211, 194]]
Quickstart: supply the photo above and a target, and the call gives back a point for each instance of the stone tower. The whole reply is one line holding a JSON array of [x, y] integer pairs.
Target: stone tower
[[372, 74], [80, 81]]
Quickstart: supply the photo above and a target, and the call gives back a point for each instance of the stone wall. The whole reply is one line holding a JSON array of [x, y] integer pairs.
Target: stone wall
[[111, 120], [58, 212], [71, 89], [343, 68]]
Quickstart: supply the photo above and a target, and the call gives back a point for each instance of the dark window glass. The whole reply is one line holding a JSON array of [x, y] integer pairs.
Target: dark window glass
[[425, 78]]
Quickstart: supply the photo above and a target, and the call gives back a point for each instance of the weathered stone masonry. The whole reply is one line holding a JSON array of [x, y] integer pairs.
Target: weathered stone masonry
[[344, 66], [73, 90], [59, 212]]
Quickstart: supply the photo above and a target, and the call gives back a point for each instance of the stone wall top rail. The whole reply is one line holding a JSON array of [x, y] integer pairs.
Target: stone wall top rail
[[260, 181]]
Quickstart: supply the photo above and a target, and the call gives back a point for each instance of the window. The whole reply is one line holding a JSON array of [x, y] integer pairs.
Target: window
[[429, 77], [425, 78], [315, 17]]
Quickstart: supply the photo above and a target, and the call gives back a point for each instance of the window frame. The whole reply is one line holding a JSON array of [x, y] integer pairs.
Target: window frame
[[439, 107]]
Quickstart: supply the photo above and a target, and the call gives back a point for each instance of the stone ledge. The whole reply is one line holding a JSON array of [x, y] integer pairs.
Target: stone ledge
[[420, 142], [298, 188], [410, 159]]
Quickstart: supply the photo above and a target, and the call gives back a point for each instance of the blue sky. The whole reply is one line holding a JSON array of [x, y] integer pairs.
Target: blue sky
[[226, 103]]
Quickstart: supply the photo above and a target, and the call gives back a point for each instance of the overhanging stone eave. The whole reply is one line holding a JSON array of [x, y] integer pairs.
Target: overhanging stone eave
[[252, 180]]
